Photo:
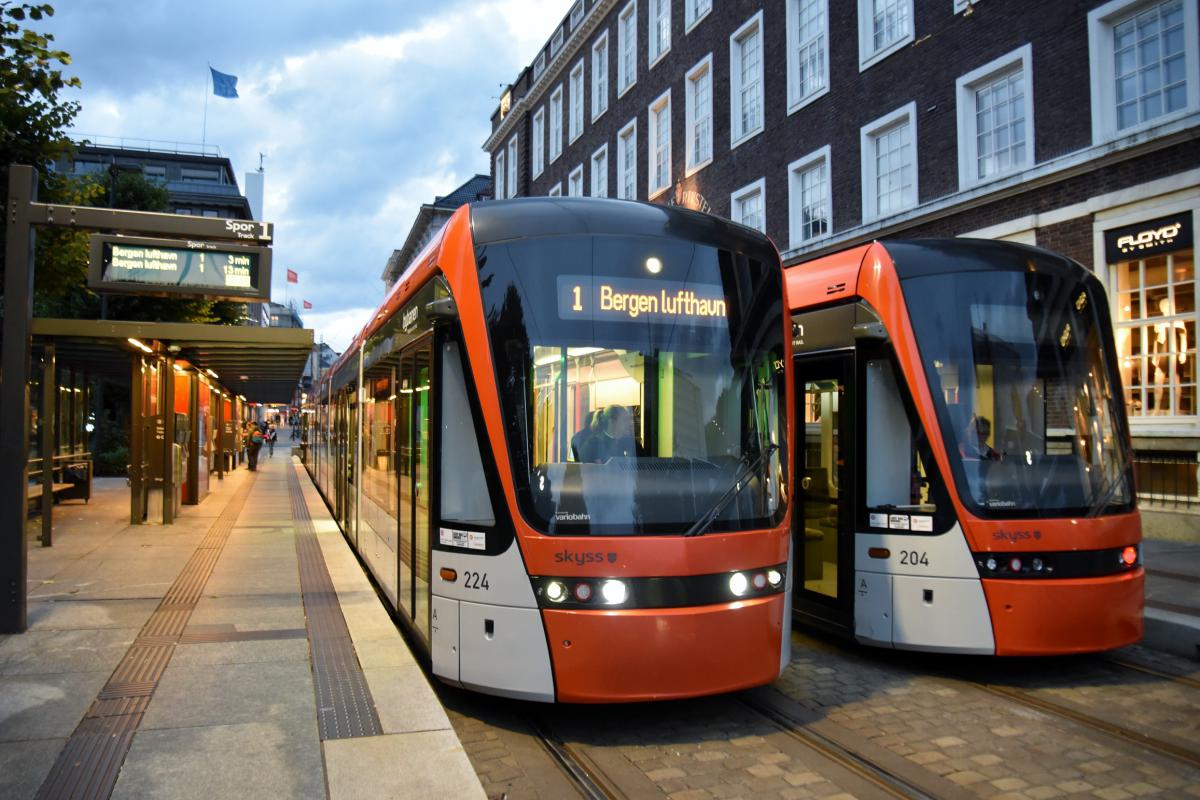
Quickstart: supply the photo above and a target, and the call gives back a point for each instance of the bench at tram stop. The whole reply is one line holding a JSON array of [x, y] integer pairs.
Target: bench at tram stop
[[72, 479]]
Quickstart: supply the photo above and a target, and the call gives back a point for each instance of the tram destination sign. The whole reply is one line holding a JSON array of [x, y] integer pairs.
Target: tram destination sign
[[135, 265]]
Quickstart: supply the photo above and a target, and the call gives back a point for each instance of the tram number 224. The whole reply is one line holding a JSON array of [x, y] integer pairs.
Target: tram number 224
[[914, 558], [475, 580]]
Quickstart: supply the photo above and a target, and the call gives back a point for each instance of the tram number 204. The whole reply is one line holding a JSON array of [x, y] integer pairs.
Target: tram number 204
[[914, 558], [475, 580]]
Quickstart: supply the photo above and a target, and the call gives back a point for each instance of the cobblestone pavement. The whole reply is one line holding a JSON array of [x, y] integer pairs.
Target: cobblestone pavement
[[919, 717]]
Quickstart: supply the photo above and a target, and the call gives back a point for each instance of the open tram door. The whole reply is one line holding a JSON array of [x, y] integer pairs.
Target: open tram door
[[823, 519]]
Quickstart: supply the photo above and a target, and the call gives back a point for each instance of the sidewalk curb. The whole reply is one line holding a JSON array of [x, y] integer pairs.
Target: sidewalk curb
[[1172, 633]]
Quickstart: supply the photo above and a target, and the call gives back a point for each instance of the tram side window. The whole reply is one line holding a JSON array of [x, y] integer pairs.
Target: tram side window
[[464, 491]]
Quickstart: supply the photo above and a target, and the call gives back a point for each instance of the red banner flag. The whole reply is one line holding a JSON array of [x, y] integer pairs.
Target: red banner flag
[[293, 277], [307, 305]]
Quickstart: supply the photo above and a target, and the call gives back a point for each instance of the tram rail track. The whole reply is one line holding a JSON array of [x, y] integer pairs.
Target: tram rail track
[[583, 773], [1182, 680]]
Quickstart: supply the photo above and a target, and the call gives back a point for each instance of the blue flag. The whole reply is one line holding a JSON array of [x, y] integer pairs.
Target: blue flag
[[224, 85]]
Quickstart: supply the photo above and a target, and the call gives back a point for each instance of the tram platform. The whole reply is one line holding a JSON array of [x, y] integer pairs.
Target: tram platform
[[1172, 616], [240, 652]]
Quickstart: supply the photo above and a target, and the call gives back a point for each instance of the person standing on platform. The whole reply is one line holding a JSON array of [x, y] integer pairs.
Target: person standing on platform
[[272, 437], [255, 444]]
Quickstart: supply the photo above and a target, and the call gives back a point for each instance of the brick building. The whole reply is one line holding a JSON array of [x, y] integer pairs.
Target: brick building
[[1070, 125]]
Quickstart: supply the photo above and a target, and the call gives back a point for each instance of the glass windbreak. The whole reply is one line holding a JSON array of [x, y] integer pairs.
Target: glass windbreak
[[1020, 367], [641, 383]]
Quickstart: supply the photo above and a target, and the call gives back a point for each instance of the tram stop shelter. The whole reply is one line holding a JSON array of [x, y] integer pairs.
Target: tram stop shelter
[[191, 386]]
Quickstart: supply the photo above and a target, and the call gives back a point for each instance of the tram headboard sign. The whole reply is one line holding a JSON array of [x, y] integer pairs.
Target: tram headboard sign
[[601, 298], [135, 265]]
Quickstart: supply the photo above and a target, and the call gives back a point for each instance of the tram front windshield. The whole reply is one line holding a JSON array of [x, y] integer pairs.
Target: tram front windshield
[[1019, 365], [641, 382]]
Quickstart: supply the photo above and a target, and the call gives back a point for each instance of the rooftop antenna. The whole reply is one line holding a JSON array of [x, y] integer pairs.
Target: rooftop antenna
[[261, 156]]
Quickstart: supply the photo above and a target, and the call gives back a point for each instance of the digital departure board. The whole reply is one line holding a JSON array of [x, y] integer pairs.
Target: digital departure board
[[135, 265], [601, 298]]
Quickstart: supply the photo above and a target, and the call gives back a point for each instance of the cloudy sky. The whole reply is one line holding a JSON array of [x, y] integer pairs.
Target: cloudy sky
[[364, 108]]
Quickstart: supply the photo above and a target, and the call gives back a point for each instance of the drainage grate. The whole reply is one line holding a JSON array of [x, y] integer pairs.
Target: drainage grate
[[89, 764], [345, 708]]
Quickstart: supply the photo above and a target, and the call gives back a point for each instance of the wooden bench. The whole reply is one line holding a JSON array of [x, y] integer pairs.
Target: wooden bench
[[35, 489]]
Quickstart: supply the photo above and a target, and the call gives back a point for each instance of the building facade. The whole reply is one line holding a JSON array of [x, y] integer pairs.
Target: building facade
[[430, 219], [1070, 125]]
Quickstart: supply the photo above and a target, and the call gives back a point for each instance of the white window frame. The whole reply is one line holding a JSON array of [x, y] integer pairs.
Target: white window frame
[[575, 101], [498, 181], [575, 178], [511, 175], [736, 135], [691, 164], [796, 197], [652, 190], [599, 76], [690, 18], [601, 152], [576, 14], [797, 101], [738, 195], [626, 41], [539, 65], [555, 190], [556, 41], [966, 87], [1100, 58], [868, 56], [653, 56], [537, 147], [556, 126], [627, 158], [867, 135]]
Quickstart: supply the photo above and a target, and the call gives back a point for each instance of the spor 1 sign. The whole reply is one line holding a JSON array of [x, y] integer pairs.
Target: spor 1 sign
[[1162, 235]]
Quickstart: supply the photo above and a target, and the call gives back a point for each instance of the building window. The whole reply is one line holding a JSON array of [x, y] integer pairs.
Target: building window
[[600, 171], [555, 190], [511, 179], [884, 26], [807, 51], [659, 156], [556, 130], [200, 175], [575, 129], [660, 30], [693, 12], [539, 66], [810, 198], [600, 76], [747, 206], [627, 43], [536, 151], [576, 14], [627, 161], [500, 174], [556, 42], [698, 100], [889, 163], [995, 119], [575, 182], [154, 173], [1156, 320], [746, 81], [1143, 65]]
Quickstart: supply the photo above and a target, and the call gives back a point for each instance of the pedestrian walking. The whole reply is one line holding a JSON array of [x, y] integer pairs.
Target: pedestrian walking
[[253, 446], [272, 436]]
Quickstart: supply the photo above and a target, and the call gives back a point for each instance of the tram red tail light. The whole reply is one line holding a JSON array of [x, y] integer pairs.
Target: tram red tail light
[[583, 592], [759, 581], [1129, 556]]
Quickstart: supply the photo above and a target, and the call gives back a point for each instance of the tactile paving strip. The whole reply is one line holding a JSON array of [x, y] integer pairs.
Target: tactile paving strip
[[345, 708], [89, 764]]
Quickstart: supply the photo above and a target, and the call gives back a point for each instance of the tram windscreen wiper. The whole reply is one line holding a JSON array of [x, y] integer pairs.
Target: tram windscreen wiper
[[746, 468]]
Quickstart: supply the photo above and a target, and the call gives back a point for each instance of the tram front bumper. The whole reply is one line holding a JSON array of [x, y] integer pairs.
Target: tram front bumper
[[1076, 615], [665, 653]]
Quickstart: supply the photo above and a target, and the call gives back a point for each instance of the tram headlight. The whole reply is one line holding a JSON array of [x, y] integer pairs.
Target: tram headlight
[[774, 577], [613, 592], [556, 592], [738, 584], [1037, 565], [991, 564]]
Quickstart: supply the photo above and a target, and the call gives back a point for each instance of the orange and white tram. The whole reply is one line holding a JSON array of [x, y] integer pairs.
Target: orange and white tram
[[561, 448], [963, 455]]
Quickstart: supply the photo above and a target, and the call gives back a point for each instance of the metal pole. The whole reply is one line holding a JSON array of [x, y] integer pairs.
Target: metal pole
[[137, 389], [220, 443], [167, 409], [193, 466], [14, 397], [49, 423]]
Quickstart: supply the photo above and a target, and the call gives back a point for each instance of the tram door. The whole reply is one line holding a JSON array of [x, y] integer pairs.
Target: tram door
[[412, 468], [823, 532]]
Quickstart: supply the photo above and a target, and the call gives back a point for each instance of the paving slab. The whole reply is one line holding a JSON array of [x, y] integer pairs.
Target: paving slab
[[23, 765], [228, 694], [404, 700], [46, 706], [250, 612], [245, 652], [275, 759], [45, 652], [402, 765], [78, 614]]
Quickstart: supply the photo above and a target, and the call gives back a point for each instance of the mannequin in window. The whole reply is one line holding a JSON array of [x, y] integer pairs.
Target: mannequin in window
[[1169, 349]]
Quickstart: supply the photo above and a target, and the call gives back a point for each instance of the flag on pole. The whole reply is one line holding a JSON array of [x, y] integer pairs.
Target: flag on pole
[[224, 85], [292, 277], [307, 305]]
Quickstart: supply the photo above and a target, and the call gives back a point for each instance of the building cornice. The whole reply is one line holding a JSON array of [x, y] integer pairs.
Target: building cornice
[[554, 69], [1055, 170]]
